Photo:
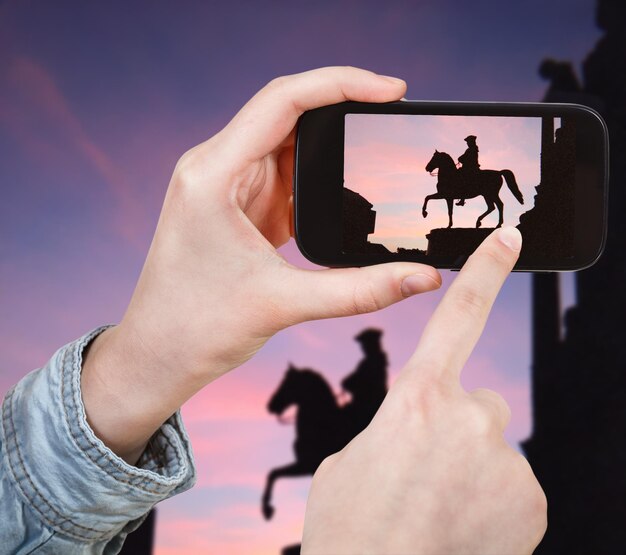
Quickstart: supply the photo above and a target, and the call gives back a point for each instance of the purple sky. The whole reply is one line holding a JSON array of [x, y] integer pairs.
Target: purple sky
[[98, 101]]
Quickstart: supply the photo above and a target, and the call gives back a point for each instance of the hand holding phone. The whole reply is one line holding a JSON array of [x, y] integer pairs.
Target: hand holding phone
[[213, 287], [428, 181]]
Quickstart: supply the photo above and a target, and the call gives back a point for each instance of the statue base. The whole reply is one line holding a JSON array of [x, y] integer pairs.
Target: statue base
[[456, 241]]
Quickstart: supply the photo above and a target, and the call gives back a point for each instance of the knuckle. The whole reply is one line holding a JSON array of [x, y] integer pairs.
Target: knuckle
[[437, 379], [184, 165], [470, 301], [420, 401], [365, 299], [193, 166], [185, 174], [488, 413], [190, 164], [410, 403], [504, 410], [479, 420], [493, 402], [277, 84]]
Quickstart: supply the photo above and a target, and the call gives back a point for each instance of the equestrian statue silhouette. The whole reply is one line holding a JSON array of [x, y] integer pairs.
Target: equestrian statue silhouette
[[323, 426], [469, 181]]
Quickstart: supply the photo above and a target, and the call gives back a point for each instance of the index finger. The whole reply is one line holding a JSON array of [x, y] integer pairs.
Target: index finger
[[268, 118], [455, 327]]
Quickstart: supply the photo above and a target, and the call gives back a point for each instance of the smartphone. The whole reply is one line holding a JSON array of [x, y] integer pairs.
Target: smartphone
[[428, 181]]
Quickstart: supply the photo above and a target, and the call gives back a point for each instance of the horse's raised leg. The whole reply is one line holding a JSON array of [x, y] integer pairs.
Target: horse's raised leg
[[490, 208], [500, 206], [429, 197], [294, 469], [450, 202]]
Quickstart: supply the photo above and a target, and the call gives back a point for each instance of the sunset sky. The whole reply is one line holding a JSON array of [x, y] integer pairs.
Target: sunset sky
[[386, 156], [97, 103]]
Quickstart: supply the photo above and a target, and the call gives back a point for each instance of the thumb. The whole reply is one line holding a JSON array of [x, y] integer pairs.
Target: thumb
[[316, 294]]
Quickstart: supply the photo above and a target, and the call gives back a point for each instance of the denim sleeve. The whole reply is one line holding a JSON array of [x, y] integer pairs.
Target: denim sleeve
[[61, 489]]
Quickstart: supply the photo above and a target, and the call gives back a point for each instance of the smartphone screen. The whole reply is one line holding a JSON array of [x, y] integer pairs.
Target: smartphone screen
[[429, 181], [437, 185]]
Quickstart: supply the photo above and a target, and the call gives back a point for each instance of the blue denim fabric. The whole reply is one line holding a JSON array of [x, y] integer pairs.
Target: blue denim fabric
[[62, 490]]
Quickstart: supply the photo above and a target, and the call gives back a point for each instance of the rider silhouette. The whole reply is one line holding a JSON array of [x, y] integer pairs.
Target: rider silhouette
[[469, 160], [368, 383]]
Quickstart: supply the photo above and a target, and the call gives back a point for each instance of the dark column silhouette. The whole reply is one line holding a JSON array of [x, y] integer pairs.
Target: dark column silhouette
[[578, 444]]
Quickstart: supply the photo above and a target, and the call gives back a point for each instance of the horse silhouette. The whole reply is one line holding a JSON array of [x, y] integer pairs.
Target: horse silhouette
[[452, 184], [321, 427]]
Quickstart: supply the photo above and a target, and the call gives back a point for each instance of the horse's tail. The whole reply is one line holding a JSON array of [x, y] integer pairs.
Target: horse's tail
[[512, 184]]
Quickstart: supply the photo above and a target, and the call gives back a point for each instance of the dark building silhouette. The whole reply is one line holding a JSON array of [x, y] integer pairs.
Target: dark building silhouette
[[547, 228], [578, 444], [359, 221]]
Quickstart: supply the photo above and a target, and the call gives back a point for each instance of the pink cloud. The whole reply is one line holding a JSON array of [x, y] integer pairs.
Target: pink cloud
[[228, 422], [20, 352], [230, 398], [31, 101], [310, 338], [201, 523]]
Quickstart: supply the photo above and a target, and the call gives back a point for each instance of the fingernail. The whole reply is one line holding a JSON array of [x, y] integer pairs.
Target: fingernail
[[418, 283], [394, 80], [511, 237]]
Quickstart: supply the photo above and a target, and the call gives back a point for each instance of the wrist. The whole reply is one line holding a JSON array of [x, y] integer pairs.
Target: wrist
[[126, 400]]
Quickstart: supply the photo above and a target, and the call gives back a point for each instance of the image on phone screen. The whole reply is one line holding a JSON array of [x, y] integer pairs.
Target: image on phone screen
[[437, 185]]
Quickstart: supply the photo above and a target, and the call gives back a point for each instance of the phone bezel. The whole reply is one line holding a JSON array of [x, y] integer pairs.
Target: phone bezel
[[318, 169]]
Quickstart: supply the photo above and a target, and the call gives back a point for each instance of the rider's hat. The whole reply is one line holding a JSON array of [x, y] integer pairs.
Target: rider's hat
[[368, 335], [470, 138]]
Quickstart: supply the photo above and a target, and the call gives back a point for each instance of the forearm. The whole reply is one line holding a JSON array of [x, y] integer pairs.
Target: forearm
[[61, 480]]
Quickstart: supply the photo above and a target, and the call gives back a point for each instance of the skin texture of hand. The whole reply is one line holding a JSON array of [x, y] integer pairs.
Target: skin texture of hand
[[213, 289], [432, 473]]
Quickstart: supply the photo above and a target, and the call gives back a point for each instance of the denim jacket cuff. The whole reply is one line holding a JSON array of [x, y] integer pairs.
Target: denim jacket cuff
[[71, 480]]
